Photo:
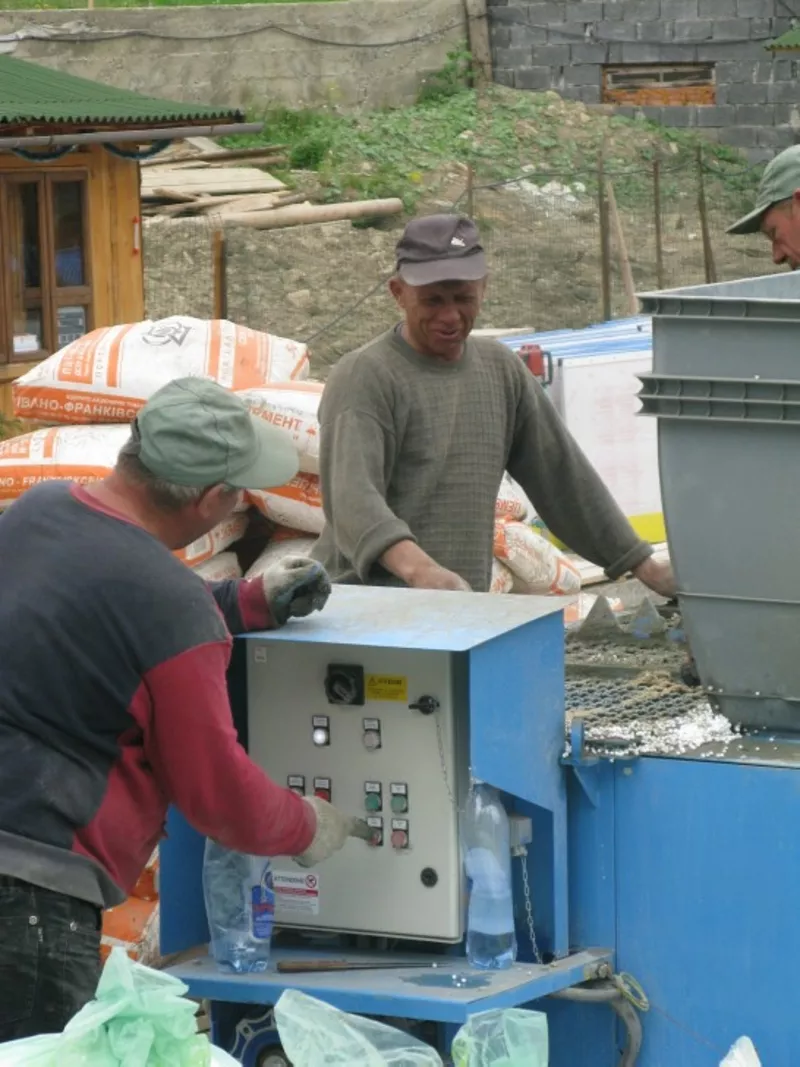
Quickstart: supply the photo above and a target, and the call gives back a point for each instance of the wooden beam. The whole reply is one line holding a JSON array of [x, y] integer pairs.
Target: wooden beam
[[478, 38], [303, 214]]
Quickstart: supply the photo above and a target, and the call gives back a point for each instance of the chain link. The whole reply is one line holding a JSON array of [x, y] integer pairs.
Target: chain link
[[522, 852]]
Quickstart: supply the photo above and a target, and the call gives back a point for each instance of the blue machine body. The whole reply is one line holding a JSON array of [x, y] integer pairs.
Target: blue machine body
[[683, 872]]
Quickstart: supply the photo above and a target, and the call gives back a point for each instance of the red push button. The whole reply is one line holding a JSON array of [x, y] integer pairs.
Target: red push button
[[399, 839], [323, 794]]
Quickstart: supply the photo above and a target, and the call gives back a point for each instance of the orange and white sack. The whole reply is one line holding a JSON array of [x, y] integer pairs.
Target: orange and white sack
[[107, 375], [291, 407], [512, 502], [297, 504], [502, 578], [211, 544], [537, 565], [76, 453], [278, 550], [219, 568], [134, 925]]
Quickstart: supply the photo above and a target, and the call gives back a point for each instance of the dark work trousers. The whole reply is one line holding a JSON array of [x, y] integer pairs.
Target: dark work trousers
[[49, 958]]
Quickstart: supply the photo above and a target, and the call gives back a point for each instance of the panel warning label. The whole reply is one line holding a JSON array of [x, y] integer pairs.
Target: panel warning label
[[296, 894], [387, 687]]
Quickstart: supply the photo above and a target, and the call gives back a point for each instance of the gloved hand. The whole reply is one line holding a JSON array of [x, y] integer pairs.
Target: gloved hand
[[333, 829], [295, 587]]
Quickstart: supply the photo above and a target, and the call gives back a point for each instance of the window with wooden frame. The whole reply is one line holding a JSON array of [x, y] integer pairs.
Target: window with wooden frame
[[659, 84], [45, 272]]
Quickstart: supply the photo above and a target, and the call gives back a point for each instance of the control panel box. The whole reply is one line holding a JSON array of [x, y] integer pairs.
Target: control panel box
[[382, 733]]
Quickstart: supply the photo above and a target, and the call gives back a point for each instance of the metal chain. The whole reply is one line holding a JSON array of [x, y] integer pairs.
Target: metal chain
[[522, 852]]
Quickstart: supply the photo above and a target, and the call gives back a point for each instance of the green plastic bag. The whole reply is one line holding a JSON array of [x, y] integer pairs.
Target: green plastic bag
[[139, 1018], [502, 1038]]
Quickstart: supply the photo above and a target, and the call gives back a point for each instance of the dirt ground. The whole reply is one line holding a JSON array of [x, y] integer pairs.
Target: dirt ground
[[324, 283]]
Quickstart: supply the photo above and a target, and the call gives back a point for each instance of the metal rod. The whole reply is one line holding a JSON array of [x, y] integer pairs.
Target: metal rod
[[605, 249], [166, 133], [708, 252], [657, 220]]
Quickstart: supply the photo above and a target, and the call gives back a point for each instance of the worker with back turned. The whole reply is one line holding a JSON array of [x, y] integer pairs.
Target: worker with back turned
[[113, 702], [417, 428]]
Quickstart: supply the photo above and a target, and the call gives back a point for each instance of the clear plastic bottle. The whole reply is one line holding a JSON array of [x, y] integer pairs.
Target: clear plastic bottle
[[491, 940], [240, 906]]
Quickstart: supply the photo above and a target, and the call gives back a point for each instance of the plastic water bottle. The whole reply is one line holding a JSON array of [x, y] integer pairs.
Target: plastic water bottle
[[240, 907], [491, 940]]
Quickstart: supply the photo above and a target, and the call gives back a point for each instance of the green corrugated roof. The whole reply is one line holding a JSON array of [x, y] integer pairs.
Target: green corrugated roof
[[35, 95], [787, 42]]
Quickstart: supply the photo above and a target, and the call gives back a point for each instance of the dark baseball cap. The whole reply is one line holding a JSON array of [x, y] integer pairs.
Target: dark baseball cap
[[440, 248], [195, 433]]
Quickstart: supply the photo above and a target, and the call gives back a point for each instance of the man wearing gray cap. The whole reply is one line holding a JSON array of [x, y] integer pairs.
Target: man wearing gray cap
[[777, 210], [114, 702], [417, 428]]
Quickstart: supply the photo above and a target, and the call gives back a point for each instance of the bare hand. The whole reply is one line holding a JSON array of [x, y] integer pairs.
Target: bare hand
[[657, 576], [432, 576]]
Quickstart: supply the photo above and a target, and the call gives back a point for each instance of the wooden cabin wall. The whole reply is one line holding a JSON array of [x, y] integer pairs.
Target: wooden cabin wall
[[114, 230]]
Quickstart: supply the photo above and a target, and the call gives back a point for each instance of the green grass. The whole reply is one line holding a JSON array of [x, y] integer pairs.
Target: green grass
[[393, 152], [69, 5]]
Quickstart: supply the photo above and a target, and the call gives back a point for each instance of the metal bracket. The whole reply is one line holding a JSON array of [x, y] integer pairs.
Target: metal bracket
[[580, 762]]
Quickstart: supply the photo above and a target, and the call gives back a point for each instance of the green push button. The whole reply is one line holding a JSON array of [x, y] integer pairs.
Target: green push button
[[399, 803], [372, 802]]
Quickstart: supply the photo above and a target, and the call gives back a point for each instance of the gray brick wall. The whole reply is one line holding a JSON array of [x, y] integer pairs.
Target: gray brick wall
[[563, 45]]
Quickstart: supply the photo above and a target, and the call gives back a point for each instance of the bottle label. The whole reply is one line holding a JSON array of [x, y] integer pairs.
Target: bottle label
[[262, 907]]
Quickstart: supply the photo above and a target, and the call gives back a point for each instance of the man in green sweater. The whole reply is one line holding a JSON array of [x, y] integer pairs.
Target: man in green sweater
[[417, 428]]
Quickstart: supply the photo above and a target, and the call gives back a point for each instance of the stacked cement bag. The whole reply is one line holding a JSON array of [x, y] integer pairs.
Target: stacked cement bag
[[90, 390]]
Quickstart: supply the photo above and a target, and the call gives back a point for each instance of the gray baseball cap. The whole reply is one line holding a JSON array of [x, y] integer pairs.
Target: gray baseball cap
[[780, 180], [440, 248], [195, 433]]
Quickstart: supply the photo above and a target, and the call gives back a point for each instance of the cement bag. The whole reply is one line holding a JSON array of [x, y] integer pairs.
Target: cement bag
[[76, 453], [297, 504], [292, 407], [510, 1037], [512, 503], [537, 565], [134, 925], [278, 550], [108, 374], [211, 544], [313, 1033], [502, 578], [219, 568]]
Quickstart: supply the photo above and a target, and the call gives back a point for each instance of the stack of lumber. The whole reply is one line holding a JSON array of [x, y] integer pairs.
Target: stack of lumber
[[196, 177]]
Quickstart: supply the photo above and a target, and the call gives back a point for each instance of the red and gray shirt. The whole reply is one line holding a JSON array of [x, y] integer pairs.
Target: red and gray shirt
[[114, 704]]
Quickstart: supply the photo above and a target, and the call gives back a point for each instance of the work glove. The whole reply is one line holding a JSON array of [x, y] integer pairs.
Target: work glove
[[333, 829], [295, 587]]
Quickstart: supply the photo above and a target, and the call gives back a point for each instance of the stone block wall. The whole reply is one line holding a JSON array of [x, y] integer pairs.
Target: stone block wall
[[565, 44]]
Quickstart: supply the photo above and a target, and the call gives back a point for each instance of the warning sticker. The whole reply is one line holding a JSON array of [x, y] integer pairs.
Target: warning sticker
[[387, 687], [296, 894]]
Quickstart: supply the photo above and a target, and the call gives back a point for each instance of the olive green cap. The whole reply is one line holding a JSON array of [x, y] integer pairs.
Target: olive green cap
[[195, 433], [780, 180]]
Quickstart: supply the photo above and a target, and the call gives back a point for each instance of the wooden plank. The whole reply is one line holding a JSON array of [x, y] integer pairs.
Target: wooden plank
[[207, 181], [253, 202], [196, 204], [305, 214], [174, 194], [230, 154]]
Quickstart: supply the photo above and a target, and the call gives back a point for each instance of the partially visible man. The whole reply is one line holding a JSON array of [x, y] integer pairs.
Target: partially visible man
[[113, 703], [418, 427], [777, 210]]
